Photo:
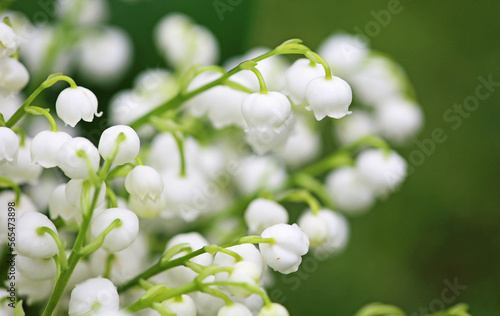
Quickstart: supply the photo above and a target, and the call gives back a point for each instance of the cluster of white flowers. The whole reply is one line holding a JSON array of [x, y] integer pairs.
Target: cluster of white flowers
[[174, 173]]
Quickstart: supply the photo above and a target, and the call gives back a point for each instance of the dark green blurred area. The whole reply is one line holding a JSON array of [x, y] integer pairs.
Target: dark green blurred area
[[444, 222]]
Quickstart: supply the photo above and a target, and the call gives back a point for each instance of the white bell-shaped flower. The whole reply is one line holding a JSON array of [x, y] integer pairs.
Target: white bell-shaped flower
[[74, 190], [8, 41], [270, 110], [351, 128], [13, 76], [398, 119], [262, 213], [60, 207], [244, 272], [302, 146], [75, 104], [234, 309], [25, 205], [329, 97], [36, 268], [97, 294], [349, 190], [29, 242], [259, 173], [326, 229], [144, 182], [90, 12], [383, 171], [105, 55], [181, 275], [343, 52], [72, 164], [9, 145], [290, 244], [298, 76], [274, 309], [128, 149], [45, 146], [185, 43], [181, 305], [23, 171], [121, 236]]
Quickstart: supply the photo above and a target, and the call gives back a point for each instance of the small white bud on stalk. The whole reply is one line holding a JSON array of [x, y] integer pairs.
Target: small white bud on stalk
[[97, 294], [9, 145], [128, 148], [144, 182], [45, 146], [29, 242], [262, 213], [72, 163], [13, 76], [329, 97], [274, 309], [285, 253], [326, 229], [121, 236], [234, 309]]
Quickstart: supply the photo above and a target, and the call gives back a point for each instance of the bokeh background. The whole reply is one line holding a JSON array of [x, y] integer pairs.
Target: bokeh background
[[444, 223]]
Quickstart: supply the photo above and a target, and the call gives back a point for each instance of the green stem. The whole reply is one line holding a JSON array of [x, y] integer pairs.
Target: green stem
[[299, 195], [35, 110], [9, 183], [109, 265], [262, 83], [98, 241], [51, 80], [60, 244], [311, 184], [180, 144]]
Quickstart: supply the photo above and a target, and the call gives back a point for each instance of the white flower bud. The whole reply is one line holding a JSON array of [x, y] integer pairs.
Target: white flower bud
[[234, 309], [298, 76], [207, 304], [36, 291], [164, 153], [105, 55], [60, 207], [262, 213], [13, 76], [184, 43], [274, 309], [343, 52], [181, 275], [128, 149], [9, 145], [259, 173], [23, 171], [29, 242], [36, 268], [90, 12], [290, 243], [360, 123], [269, 110], [326, 229], [45, 146], [144, 182], [97, 294], [25, 205], [9, 104], [121, 236], [398, 120], [75, 104], [329, 97], [73, 165], [244, 272], [348, 190], [8, 41], [181, 305], [382, 171], [74, 190]]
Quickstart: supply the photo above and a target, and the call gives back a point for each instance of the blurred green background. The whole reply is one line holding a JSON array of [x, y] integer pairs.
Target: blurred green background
[[444, 222]]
